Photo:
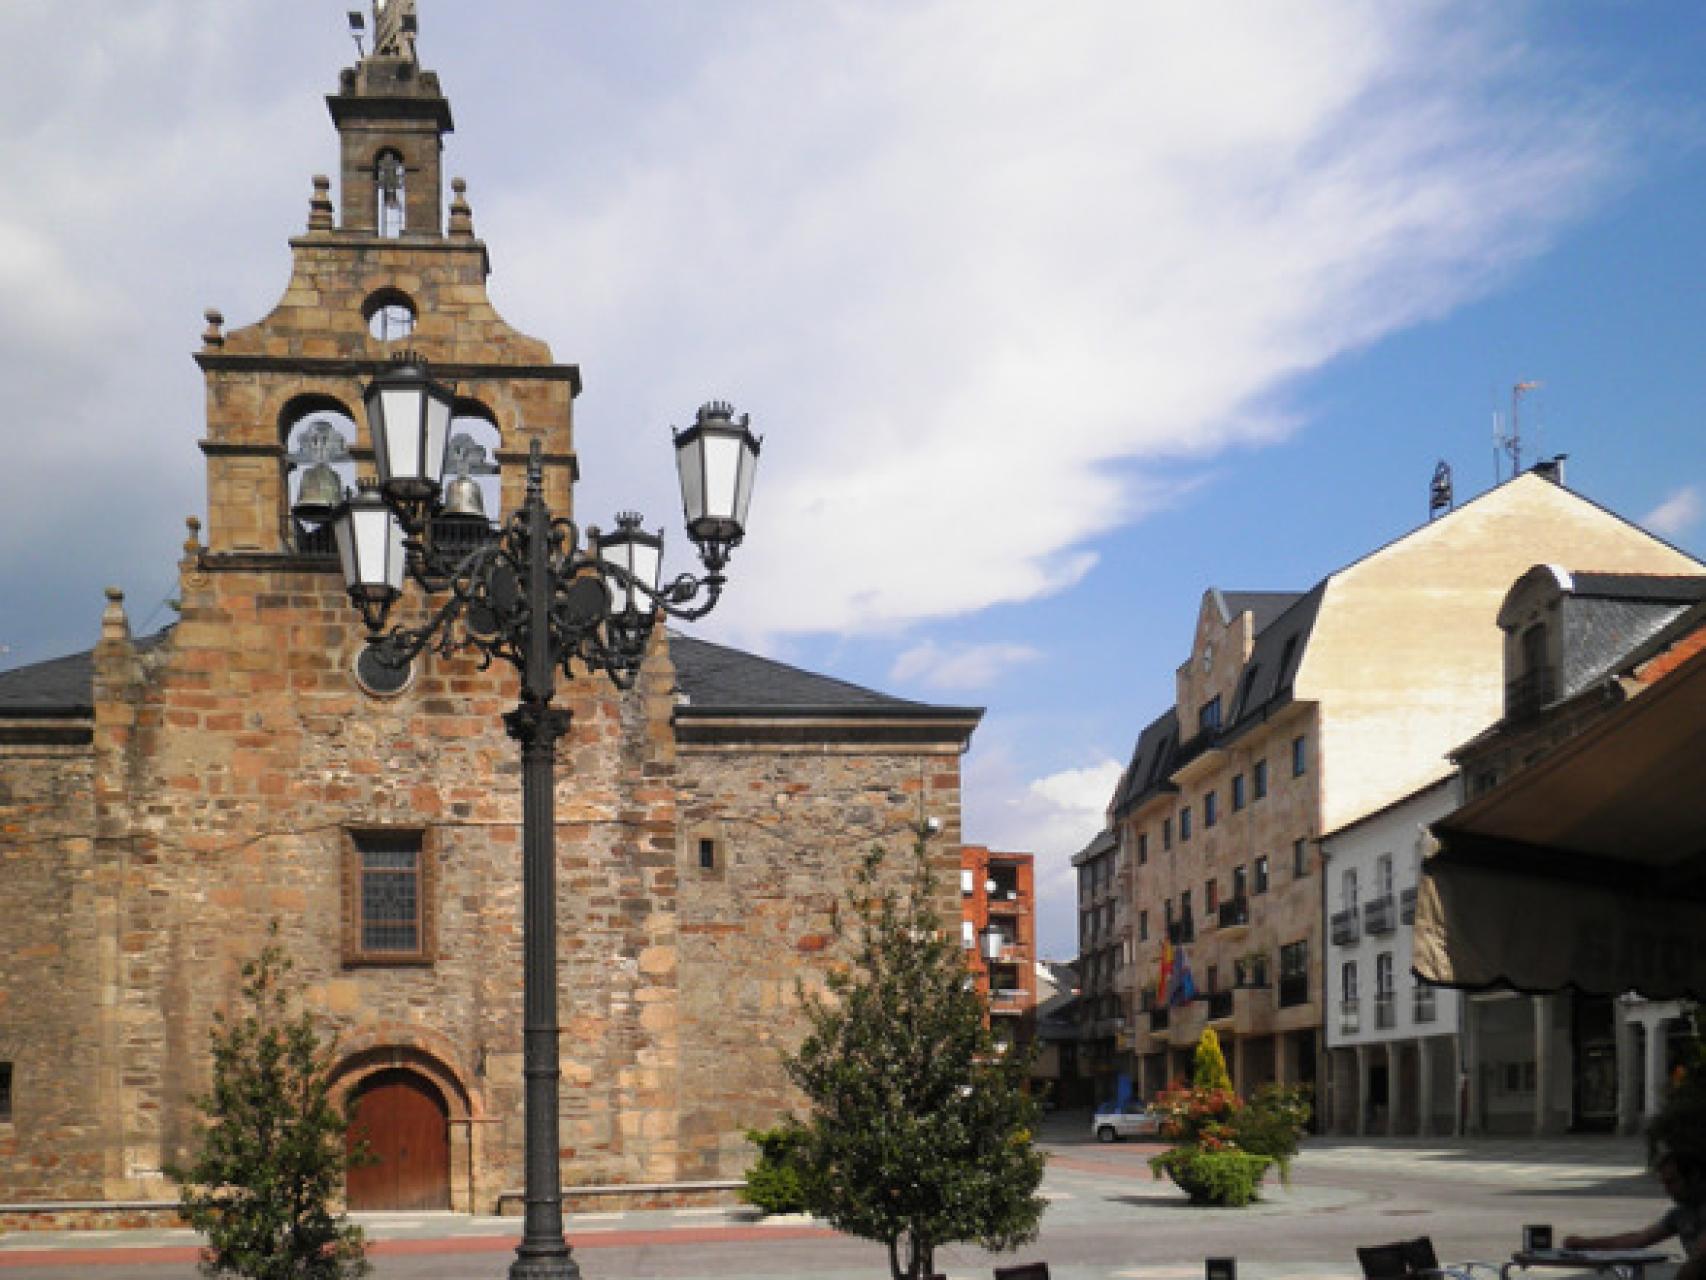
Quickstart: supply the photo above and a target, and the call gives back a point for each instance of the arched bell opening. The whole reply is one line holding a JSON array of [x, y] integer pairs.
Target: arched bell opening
[[318, 434], [390, 182], [472, 501]]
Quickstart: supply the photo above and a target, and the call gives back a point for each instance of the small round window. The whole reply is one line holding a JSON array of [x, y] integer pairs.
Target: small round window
[[390, 315], [381, 679]]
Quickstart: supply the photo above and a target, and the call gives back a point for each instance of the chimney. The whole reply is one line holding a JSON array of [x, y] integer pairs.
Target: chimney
[[1552, 469]]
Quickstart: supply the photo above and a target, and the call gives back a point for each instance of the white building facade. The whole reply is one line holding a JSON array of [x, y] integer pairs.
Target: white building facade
[[1395, 1058]]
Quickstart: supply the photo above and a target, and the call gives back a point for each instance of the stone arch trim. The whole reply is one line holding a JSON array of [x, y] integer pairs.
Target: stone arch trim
[[367, 1053]]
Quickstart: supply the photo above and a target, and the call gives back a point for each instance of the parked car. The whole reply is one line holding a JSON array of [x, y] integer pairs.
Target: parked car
[[1114, 1121]]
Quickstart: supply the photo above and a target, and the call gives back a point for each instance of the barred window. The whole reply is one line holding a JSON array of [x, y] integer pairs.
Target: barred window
[[388, 897]]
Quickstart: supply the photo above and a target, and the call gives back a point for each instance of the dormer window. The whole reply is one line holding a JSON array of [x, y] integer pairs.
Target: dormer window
[[1535, 683], [1208, 717]]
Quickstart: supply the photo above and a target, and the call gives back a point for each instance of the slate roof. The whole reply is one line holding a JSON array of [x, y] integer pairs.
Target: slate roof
[[58, 686], [1265, 606], [1614, 621], [717, 680], [1283, 621], [1653, 588], [1103, 842], [713, 679]]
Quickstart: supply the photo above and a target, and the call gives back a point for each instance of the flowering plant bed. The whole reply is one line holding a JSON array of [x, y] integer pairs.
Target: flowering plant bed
[[1223, 1145], [1228, 1178]]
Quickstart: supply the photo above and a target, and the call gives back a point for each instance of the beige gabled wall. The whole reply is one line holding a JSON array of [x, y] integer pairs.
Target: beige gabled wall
[[1406, 659]]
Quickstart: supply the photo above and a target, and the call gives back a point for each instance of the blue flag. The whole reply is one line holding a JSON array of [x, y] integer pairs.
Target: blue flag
[[1184, 986]]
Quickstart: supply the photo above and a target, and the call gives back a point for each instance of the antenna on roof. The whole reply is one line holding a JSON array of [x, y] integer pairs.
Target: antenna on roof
[[1440, 497], [1511, 441], [357, 25]]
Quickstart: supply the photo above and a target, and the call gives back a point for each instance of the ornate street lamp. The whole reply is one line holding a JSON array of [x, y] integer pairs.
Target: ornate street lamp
[[535, 597]]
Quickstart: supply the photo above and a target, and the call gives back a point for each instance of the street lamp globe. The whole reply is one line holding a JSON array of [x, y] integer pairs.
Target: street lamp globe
[[409, 416], [373, 552], [639, 557], [716, 459]]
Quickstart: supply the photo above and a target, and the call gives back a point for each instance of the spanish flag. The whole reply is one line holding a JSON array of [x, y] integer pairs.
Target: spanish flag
[[1161, 986]]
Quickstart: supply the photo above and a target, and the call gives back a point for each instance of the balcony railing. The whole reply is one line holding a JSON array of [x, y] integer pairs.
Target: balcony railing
[[1234, 912], [1422, 1007], [1530, 691], [1219, 1004], [1346, 927], [1380, 915], [1293, 989], [1350, 1017], [1182, 931], [1407, 906], [1385, 1011]]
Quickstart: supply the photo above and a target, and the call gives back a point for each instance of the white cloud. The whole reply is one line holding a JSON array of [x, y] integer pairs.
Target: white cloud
[[959, 667], [966, 260], [1052, 816], [1677, 514]]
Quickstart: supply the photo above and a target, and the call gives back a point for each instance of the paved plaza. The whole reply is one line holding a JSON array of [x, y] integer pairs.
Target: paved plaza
[[1107, 1220]]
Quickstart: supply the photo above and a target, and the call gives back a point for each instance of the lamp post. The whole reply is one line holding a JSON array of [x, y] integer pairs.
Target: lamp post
[[535, 596]]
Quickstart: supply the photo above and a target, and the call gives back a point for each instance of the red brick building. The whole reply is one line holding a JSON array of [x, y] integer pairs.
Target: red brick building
[[998, 924]]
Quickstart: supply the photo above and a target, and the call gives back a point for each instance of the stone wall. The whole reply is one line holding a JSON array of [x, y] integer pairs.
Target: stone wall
[[790, 827], [48, 995]]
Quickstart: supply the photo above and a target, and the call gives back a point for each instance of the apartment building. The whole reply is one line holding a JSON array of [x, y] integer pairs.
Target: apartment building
[[1104, 953], [1297, 714], [1392, 1038], [998, 924]]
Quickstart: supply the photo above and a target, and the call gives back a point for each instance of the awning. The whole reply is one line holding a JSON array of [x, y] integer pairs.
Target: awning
[[1587, 870]]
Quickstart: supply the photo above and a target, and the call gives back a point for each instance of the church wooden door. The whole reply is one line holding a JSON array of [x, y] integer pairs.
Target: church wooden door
[[406, 1127]]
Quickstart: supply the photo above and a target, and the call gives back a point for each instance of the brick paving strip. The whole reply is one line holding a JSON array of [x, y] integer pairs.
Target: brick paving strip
[[612, 1238]]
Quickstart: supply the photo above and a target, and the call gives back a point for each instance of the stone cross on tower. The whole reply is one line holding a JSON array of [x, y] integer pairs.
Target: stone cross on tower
[[394, 27]]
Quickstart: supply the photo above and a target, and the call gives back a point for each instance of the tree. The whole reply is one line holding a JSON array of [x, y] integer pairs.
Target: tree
[[1208, 1066], [920, 1127], [272, 1156]]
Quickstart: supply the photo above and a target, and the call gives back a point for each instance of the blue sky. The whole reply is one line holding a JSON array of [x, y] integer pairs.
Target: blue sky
[[1052, 316]]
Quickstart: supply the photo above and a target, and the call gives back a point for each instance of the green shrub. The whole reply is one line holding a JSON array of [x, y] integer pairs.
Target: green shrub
[[1271, 1124], [774, 1183], [1228, 1178]]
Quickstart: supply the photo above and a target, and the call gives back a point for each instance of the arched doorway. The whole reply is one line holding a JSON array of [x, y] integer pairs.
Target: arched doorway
[[404, 1121]]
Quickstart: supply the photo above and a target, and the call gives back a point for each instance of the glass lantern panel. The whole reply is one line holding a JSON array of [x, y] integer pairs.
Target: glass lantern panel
[[400, 448], [689, 462], [644, 561], [437, 437], [722, 473], [743, 495]]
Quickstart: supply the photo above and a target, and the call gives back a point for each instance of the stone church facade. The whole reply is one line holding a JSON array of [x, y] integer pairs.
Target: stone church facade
[[166, 800]]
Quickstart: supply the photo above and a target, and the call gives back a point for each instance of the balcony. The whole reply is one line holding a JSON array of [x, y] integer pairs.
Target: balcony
[[1407, 906], [1346, 927], [1185, 1027], [1158, 1019], [1380, 915], [1350, 1017], [1385, 1011], [1252, 1009], [1181, 931], [1219, 1005], [1293, 990], [1529, 692], [1234, 913], [1422, 1007]]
